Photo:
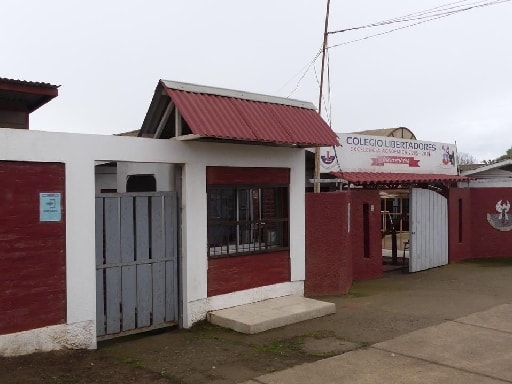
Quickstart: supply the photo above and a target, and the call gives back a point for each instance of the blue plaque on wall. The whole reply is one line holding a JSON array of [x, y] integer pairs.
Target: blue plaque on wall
[[49, 207]]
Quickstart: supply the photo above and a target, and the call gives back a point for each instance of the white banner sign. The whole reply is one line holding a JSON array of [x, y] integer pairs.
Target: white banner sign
[[363, 153]]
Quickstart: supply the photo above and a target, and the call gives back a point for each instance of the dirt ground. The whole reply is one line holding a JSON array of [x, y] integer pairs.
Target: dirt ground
[[374, 311]]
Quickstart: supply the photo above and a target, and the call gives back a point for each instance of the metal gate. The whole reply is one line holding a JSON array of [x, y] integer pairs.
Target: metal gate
[[429, 230], [136, 262]]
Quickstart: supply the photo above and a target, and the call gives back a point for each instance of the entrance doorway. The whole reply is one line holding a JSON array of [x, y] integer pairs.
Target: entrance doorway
[[394, 227], [414, 228]]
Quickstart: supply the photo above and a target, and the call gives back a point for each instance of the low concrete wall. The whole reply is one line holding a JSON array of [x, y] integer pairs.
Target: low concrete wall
[[80, 153]]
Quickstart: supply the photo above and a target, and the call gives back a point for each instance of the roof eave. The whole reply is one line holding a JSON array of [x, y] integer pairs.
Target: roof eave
[[198, 137], [487, 167]]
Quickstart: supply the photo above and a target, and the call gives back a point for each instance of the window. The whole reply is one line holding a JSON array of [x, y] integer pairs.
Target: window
[[141, 183], [245, 220]]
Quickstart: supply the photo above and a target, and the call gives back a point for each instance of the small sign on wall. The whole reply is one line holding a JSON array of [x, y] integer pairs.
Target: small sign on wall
[[49, 207]]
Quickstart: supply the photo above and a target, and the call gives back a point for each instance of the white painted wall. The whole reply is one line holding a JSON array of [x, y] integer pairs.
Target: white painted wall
[[486, 183], [164, 174], [80, 153], [106, 178]]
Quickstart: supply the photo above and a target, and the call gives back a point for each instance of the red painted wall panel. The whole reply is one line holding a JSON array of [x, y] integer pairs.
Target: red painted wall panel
[[334, 252], [32, 254], [247, 176], [459, 225], [365, 267], [231, 274], [328, 250], [487, 241]]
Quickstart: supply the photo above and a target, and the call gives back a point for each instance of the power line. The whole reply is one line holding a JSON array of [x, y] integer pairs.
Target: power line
[[386, 32], [429, 14], [420, 17], [329, 86], [401, 18], [304, 72]]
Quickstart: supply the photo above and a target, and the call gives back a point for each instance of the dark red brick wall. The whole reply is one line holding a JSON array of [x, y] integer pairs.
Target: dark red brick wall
[[32, 254], [459, 225], [365, 267], [247, 176], [231, 274], [334, 252], [328, 247], [488, 242]]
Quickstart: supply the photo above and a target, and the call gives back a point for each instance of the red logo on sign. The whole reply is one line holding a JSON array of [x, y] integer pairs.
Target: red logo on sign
[[400, 160]]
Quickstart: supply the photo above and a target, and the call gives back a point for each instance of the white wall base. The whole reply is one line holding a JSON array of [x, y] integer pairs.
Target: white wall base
[[67, 336], [198, 309]]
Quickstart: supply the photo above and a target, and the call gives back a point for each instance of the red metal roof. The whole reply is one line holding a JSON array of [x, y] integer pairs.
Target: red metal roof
[[369, 178], [239, 116], [38, 84], [29, 95]]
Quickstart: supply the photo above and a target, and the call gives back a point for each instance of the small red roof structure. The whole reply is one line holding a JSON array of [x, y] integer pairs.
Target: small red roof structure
[[29, 95], [217, 114], [18, 98], [381, 178]]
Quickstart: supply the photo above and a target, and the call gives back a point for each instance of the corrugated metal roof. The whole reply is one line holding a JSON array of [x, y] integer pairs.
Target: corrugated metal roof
[[29, 83], [134, 133], [241, 116], [504, 165], [25, 95], [469, 167], [374, 178], [195, 88]]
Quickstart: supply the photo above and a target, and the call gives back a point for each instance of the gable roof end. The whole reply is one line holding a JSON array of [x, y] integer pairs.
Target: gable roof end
[[223, 114]]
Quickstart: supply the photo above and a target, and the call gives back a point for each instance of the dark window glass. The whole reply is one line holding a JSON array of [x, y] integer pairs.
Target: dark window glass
[[141, 183], [247, 220]]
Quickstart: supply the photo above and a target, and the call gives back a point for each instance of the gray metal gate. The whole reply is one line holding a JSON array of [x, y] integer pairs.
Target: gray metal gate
[[136, 262], [429, 230]]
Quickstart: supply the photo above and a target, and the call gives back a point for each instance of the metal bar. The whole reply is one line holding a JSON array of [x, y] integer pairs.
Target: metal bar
[[137, 262], [138, 330], [326, 181], [135, 194]]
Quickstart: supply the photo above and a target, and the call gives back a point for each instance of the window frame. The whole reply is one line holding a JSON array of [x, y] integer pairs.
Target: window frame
[[254, 233]]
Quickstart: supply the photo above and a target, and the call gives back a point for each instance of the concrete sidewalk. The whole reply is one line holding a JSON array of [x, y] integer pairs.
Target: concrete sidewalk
[[471, 349]]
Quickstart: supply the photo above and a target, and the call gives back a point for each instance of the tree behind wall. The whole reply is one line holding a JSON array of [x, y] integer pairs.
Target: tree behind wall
[[506, 156], [464, 158]]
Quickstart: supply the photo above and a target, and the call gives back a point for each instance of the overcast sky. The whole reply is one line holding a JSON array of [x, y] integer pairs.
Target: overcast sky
[[447, 80]]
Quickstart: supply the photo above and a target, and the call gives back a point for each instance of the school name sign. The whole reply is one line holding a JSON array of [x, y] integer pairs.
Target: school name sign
[[363, 153]]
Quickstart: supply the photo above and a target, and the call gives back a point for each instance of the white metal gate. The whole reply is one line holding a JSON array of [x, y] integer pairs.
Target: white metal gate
[[136, 262], [428, 230]]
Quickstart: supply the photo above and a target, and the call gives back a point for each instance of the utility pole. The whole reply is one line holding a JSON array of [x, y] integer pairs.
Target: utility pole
[[324, 48]]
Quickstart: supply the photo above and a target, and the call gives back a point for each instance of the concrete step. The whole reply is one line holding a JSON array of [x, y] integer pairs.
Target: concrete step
[[272, 313]]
